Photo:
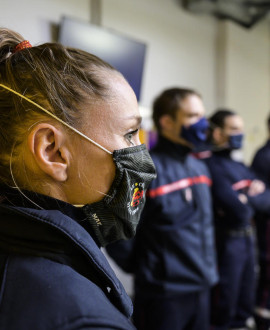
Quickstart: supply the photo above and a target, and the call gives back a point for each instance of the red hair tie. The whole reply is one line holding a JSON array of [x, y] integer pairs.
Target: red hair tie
[[22, 45]]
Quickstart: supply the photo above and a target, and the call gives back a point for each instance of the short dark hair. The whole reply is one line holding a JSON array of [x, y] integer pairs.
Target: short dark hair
[[268, 123], [168, 102], [218, 118]]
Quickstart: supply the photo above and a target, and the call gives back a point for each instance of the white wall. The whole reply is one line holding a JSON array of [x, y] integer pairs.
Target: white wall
[[244, 78], [181, 47], [32, 18]]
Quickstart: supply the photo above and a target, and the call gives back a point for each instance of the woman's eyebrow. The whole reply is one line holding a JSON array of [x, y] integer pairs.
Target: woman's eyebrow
[[125, 122], [134, 117]]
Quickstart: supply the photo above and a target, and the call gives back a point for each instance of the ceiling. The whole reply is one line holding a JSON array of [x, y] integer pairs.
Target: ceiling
[[244, 12]]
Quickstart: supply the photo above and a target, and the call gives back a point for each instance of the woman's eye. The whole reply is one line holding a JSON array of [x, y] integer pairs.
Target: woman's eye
[[129, 136]]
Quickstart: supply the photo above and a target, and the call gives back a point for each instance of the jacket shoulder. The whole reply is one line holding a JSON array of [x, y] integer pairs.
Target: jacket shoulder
[[198, 163]]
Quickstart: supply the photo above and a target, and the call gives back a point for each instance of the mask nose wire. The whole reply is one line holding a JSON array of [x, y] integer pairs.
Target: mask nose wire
[[55, 117]]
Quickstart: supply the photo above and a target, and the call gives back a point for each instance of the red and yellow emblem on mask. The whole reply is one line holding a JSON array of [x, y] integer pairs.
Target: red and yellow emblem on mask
[[137, 195]]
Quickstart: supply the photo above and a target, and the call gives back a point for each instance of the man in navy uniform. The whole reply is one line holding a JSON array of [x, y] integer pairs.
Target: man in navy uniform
[[261, 165], [261, 161], [173, 254], [237, 194]]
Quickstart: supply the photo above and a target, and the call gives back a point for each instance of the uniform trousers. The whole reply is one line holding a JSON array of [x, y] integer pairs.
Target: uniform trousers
[[263, 287], [189, 311], [233, 299]]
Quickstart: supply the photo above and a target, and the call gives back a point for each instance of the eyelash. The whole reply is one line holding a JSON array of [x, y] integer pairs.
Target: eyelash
[[130, 135]]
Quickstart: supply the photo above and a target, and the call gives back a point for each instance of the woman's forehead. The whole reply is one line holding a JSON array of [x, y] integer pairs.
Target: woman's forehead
[[120, 105]]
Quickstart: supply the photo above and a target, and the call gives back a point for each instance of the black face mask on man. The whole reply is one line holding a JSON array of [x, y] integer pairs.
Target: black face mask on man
[[116, 216]]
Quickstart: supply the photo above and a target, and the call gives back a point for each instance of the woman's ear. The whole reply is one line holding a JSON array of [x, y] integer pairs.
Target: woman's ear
[[48, 146]]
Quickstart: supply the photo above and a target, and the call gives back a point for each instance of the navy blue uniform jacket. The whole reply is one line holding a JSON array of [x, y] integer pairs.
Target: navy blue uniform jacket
[[261, 163], [173, 251], [261, 166], [231, 178], [53, 275]]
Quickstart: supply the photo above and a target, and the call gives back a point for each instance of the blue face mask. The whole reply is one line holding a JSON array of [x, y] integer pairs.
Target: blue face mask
[[236, 141], [196, 133]]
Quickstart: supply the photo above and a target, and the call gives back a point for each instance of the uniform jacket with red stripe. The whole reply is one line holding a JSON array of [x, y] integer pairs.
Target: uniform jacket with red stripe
[[261, 167], [261, 163], [173, 251], [231, 178]]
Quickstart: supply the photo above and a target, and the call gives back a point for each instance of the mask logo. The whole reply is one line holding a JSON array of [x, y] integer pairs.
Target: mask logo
[[138, 194]]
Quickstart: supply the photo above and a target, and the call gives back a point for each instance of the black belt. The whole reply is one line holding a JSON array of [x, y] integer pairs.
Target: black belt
[[243, 232]]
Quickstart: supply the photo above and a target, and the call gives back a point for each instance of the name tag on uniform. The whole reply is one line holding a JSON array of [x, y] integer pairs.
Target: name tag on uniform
[[187, 194]]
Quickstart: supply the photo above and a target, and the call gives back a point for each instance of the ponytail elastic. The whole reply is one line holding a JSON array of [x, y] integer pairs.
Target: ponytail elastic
[[22, 45]]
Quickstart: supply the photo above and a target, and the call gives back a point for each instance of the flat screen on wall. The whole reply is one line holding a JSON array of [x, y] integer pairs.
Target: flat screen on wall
[[123, 53]]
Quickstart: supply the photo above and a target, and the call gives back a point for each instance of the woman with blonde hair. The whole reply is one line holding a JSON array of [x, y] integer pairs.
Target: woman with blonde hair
[[70, 164]]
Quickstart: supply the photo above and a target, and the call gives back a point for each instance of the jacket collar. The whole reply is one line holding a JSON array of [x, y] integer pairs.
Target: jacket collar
[[225, 153], [30, 199], [175, 149], [56, 235]]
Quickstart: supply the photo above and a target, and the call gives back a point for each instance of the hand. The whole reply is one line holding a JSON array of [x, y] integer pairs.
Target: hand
[[257, 187]]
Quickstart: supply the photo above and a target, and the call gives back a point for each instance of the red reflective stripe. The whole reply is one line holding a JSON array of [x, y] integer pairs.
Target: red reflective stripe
[[241, 184], [178, 185], [202, 154], [202, 179]]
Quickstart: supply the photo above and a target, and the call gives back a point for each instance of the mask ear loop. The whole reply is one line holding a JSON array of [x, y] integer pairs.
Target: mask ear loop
[[55, 117], [18, 188], [15, 183]]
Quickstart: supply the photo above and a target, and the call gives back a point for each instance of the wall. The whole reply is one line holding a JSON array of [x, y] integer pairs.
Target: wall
[[243, 77], [33, 18], [181, 47]]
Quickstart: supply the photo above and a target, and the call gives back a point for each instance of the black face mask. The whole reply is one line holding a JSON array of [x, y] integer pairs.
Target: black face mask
[[116, 216]]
